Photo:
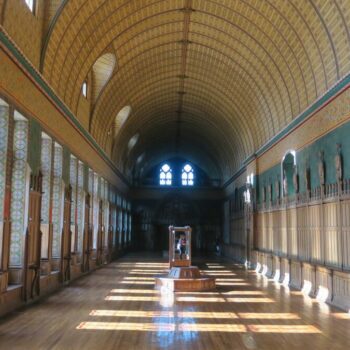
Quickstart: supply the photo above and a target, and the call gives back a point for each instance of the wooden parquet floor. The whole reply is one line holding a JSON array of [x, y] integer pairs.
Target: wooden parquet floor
[[116, 307]]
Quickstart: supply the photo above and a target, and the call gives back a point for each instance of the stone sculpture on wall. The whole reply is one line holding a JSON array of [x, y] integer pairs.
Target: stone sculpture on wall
[[277, 188], [269, 189], [321, 168], [285, 185], [295, 179], [264, 194], [338, 164], [307, 178]]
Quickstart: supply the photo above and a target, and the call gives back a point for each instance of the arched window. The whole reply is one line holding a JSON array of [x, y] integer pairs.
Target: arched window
[[165, 176], [84, 89], [187, 176]]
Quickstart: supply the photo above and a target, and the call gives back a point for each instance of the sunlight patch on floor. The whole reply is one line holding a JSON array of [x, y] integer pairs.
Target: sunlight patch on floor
[[199, 327]]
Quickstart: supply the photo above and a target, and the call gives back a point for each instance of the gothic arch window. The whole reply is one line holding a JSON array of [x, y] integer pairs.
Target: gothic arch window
[[187, 176], [165, 176]]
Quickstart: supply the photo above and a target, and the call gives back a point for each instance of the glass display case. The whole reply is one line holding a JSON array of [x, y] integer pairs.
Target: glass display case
[[180, 246]]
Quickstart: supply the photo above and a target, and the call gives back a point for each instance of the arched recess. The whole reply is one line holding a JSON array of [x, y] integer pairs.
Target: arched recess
[[102, 71], [288, 166], [119, 121]]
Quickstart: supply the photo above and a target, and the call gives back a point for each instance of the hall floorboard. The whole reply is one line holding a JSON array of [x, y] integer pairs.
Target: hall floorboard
[[116, 307]]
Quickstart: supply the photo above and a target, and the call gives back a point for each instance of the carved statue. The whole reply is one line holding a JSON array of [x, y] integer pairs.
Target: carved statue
[[307, 178], [277, 188], [295, 179], [264, 193], [338, 163], [321, 167], [285, 185], [269, 189]]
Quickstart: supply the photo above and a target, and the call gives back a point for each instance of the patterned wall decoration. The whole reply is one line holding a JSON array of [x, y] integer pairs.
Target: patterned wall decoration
[[57, 201], [105, 210], [46, 170], [4, 124], [73, 173], [95, 209], [46, 154], [73, 182], [80, 205], [19, 190]]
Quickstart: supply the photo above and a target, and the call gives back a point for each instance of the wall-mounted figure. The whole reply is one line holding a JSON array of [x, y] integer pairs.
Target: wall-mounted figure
[[295, 179], [307, 178], [321, 169], [277, 188], [264, 194], [338, 164], [269, 190], [285, 184]]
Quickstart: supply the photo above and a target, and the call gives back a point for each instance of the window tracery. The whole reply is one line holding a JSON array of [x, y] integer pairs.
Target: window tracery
[[165, 176], [187, 176]]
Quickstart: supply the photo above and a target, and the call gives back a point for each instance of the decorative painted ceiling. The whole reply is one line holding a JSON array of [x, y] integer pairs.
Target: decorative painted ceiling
[[207, 80]]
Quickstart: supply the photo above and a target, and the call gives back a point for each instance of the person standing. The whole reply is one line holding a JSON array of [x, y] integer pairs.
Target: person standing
[[183, 244]]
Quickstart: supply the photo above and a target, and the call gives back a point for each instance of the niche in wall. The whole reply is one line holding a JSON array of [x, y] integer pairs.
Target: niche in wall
[[288, 173]]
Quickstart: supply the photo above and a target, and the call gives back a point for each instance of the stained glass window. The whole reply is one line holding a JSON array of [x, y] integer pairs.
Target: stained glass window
[[187, 176], [46, 156], [4, 124], [19, 190], [57, 201], [165, 176]]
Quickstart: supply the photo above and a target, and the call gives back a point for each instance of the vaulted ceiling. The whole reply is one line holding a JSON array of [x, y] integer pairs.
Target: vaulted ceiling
[[207, 80]]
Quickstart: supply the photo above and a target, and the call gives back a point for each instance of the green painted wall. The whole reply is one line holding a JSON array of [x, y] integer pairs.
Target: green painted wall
[[34, 148], [66, 165], [308, 157], [268, 177]]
